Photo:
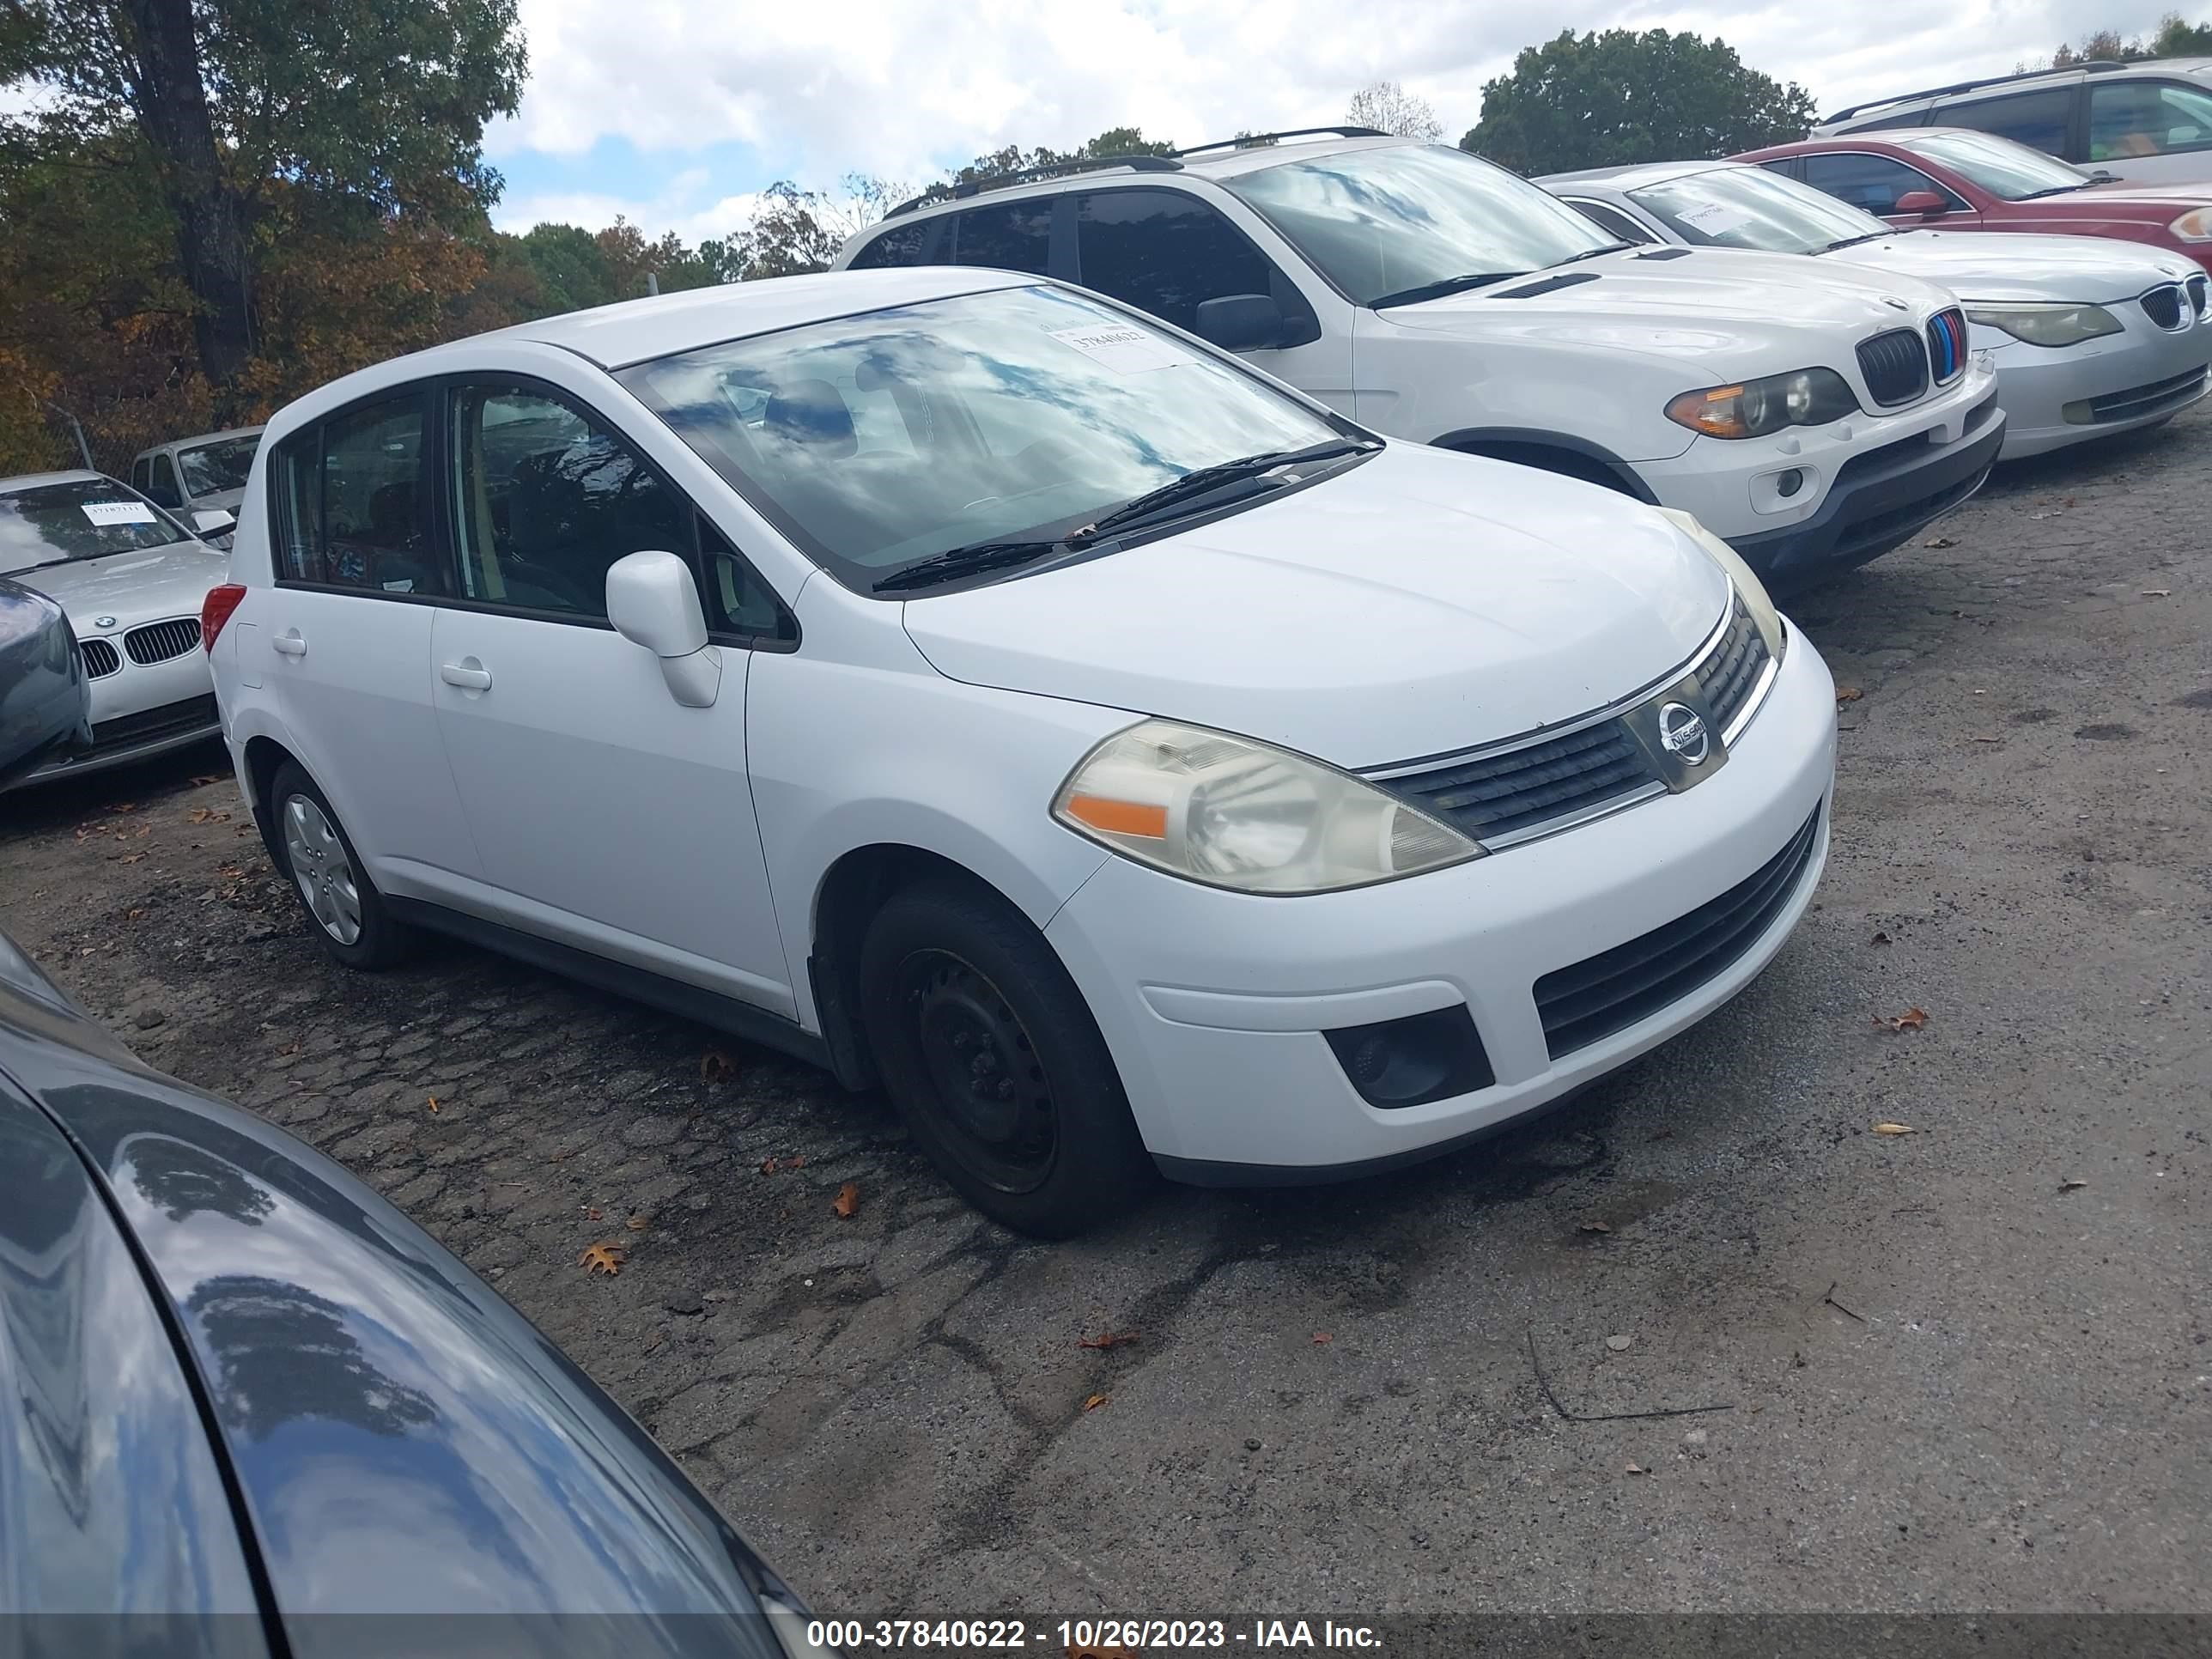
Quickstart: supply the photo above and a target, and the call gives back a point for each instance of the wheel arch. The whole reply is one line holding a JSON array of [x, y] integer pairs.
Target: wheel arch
[[1534, 446]]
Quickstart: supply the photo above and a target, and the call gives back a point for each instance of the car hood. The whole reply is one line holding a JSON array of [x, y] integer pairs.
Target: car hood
[[2146, 197], [1417, 603], [136, 586], [1695, 302], [2004, 265]]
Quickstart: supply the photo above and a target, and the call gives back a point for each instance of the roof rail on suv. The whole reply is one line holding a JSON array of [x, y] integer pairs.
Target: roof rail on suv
[[2094, 66], [1252, 140], [967, 187]]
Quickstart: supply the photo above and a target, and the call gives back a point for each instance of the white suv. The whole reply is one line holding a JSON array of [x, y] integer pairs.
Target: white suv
[[1814, 416], [969, 684]]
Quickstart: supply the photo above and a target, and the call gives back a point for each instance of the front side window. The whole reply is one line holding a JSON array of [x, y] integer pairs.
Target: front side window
[[2009, 170], [1872, 184], [1751, 208], [1383, 225], [162, 481], [2130, 118], [546, 498], [83, 519], [213, 469], [2039, 119], [995, 417], [1007, 235], [351, 506], [1610, 219], [1164, 252]]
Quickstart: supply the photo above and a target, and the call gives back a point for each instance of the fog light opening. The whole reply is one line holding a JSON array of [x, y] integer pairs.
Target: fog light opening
[[1787, 484], [1396, 1063]]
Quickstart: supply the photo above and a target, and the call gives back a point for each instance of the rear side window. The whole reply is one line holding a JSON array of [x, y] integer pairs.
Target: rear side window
[[352, 505], [2129, 118], [1164, 251], [1008, 235], [1872, 182], [909, 244], [1610, 219], [2038, 119]]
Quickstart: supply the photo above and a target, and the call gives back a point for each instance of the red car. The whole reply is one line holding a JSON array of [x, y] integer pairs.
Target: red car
[[1961, 179]]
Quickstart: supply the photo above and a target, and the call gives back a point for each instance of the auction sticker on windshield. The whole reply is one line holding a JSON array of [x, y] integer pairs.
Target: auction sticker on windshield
[[1714, 218], [108, 513], [1124, 349]]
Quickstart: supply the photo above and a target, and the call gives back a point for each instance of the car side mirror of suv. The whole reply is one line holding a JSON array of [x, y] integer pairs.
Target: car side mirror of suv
[[1925, 202], [1241, 322], [652, 602], [214, 521]]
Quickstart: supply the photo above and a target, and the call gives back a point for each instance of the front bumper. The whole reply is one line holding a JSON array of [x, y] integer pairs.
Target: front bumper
[[2116, 383], [1214, 1004], [140, 711]]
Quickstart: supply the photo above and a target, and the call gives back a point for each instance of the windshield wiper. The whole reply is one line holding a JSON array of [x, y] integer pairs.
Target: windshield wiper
[[1589, 253], [1443, 285], [1178, 493], [1853, 241], [957, 562], [2054, 190]]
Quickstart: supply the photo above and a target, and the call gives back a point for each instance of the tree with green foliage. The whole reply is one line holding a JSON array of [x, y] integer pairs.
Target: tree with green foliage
[[1600, 100], [2175, 37], [999, 164]]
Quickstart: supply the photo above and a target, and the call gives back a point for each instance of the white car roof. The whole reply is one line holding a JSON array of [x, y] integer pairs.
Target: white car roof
[[34, 480], [198, 439]]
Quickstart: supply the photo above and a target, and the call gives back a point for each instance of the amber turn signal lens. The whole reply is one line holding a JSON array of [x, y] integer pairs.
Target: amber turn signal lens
[[1120, 818]]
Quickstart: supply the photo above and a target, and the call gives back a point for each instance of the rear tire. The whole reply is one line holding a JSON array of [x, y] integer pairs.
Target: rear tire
[[342, 907], [991, 1054]]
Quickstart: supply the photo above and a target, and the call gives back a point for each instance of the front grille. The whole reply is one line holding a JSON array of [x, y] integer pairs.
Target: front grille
[[1500, 795], [1612, 991], [1946, 345], [2163, 305], [99, 658], [2136, 400], [1895, 365], [2200, 295], [170, 720], [159, 642], [1732, 670]]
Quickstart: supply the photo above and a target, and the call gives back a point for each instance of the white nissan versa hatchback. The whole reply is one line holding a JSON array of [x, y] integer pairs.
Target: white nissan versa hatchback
[[964, 682]]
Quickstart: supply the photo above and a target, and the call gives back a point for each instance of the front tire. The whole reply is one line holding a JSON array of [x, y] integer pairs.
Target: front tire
[[342, 906], [991, 1054]]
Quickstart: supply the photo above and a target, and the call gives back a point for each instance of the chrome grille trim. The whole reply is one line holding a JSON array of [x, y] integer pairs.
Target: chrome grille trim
[[101, 658], [162, 641]]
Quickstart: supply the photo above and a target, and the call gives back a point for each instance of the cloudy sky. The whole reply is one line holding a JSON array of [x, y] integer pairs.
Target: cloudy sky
[[674, 112]]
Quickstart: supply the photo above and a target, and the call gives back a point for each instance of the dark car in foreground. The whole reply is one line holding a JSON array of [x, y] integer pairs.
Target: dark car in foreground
[[45, 701], [245, 1402]]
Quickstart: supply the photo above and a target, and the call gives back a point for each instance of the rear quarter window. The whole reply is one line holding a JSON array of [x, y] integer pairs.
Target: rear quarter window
[[905, 244]]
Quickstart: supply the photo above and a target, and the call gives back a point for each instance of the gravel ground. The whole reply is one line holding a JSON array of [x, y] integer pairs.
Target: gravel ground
[[1961, 1368]]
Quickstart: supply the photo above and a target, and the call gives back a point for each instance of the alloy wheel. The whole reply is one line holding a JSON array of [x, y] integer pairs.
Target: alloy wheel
[[321, 869]]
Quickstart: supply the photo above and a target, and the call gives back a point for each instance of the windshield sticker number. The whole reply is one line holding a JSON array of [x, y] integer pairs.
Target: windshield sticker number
[[1714, 218], [1123, 348], [104, 514]]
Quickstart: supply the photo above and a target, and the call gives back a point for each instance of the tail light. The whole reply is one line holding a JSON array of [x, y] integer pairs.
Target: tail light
[[215, 611]]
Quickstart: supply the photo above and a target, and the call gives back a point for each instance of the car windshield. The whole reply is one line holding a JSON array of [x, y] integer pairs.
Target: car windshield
[[1381, 223], [2009, 170], [877, 441], [82, 519], [1751, 208], [213, 469]]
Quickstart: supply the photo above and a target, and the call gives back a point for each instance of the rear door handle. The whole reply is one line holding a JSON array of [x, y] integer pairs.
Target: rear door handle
[[468, 673], [289, 644]]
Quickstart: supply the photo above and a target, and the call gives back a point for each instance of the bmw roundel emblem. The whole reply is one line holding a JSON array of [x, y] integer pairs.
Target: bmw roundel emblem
[[103, 622], [1682, 731]]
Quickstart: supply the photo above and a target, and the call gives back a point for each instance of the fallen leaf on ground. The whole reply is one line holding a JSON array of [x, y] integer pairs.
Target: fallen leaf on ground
[[1638, 1469], [1881, 939], [2072, 1184], [1848, 694], [212, 777], [134, 915], [715, 1066], [1108, 1339], [592, 1212], [1911, 1020], [127, 858], [638, 1223], [1323, 1339], [849, 1201], [434, 1105], [1096, 1401], [1592, 1227], [1939, 541], [601, 1259], [125, 806], [1895, 1129], [767, 1166], [1619, 1344], [206, 815]]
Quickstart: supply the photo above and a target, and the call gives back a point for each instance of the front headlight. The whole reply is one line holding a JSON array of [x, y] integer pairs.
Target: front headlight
[[2046, 324], [1235, 813], [1807, 397], [2194, 225], [1749, 588]]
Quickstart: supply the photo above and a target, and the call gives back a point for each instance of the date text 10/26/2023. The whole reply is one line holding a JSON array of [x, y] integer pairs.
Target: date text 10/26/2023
[[1090, 1639]]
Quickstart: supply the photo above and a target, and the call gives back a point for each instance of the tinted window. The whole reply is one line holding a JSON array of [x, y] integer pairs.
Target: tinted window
[[1164, 251], [1611, 221], [162, 481], [86, 519], [2035, 119], [1869, 182], [547, 497], [1010, 235], [2146, 118], [351, 506], [909, 244], [1005, 416]]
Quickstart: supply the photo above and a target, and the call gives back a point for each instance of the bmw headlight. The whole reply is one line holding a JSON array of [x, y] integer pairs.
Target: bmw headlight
[[2046, 324], [1233, 812], [1806, 397], [1749, 588]]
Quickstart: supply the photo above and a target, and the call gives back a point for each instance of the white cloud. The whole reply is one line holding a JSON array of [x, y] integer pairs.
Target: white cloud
[[693, 213], [897, 88]]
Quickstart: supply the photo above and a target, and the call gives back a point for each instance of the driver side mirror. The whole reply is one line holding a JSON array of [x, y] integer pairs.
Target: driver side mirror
[[214, 521], [1925, 202], [1241, 322], [652, 602]]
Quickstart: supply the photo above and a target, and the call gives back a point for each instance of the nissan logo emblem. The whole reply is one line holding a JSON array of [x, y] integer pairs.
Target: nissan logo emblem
[[1682, 734]]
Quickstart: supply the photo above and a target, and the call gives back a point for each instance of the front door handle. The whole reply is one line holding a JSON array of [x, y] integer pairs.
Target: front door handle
[[289, 644], [468, 673]]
